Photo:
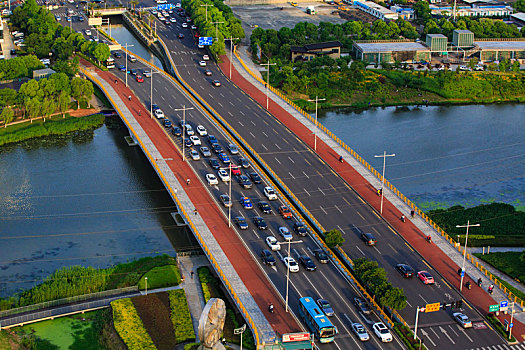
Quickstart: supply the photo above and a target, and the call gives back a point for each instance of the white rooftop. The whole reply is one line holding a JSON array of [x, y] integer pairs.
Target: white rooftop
[[375, 6], [501, 45], [519, 15], [391, 46]]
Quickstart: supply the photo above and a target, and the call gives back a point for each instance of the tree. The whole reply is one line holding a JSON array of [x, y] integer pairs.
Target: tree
[[515, 66], [48, 107], [7, 97], [30, 89], [394, 298], [519, 5], [422, 10], [334, 238], [101, 52], [7, 116], [33, 107]]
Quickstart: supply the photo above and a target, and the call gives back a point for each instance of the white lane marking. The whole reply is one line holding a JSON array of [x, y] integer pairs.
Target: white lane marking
[[425, 334], [253, 123], [307, 162], [360, 250], [336, 207], [265, 122], [285, 140], [263, 146], [221, 94], [320, 190], [242, 112], [241, 124], [291, 175], [252, 134], [264, 134], [306, 175], [275, 131], [340, 229], [324, 211], [277, 160], [466, 335], [358, 213], [162, 97], [276, 145], [230, 113], [220, 104], [446, 334], [426, 302], [304, 189], [291, 160]]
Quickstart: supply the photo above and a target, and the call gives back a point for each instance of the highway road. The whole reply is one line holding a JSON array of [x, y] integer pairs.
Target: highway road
[[333, 203]]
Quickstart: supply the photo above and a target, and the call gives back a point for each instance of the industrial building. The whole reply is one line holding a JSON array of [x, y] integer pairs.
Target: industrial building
[[376, 10], [310, 51], [473, 10], [391, 51]]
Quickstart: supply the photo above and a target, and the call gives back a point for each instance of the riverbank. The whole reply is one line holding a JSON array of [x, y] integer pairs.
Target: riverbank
[[59, 126]]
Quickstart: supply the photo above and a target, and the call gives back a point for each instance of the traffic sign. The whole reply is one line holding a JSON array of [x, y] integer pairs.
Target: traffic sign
[[503, 303], [206, 40], [511, 324], [462, 273], [165, 7], [494, 308], [432, 307]]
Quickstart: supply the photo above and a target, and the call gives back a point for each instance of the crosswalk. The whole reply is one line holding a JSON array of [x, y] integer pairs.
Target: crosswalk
[[520, 346]]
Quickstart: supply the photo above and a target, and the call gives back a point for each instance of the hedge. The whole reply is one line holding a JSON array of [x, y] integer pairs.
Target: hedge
[[500, 328], [407, 336], [205, 277], [181, 317], [129, 326]]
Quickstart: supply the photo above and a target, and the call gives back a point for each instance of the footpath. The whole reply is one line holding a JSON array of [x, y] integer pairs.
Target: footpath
[[196, 200], [446, 260]]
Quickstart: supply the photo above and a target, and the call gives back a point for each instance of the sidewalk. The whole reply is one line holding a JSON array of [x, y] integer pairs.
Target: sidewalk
[[228, 250], [446, 260]]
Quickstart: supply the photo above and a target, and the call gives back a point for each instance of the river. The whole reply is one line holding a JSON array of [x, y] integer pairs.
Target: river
[[444, 156]]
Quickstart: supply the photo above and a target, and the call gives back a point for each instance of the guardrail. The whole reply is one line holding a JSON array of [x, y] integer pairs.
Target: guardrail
[[63, 301], [183, 211], [380, 177]]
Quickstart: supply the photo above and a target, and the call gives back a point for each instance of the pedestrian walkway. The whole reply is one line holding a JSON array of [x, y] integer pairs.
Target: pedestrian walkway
[[245, 277], [446, 260]]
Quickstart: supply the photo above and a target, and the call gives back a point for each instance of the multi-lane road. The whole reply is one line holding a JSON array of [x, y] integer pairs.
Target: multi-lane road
[[326, 195]]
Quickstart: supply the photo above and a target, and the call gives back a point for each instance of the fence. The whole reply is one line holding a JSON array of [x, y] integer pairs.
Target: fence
[[380, 177], [63, 301]]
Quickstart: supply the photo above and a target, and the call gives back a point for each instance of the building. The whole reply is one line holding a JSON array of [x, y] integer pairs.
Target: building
[[391, 51], [405, 13], [519, 19], [42, 73], [473, 10], [497, 50], [376, 10], [310, 51], [462, 38], [437, 42]]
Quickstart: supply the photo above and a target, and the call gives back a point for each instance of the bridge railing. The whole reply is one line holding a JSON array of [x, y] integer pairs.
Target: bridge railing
[[189, 218], [64, 301], [380, 177]]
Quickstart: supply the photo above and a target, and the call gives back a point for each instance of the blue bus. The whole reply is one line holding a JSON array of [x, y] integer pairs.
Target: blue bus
[[316, 320]]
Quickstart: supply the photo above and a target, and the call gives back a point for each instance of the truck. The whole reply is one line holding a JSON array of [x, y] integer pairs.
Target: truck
[[310, 10]]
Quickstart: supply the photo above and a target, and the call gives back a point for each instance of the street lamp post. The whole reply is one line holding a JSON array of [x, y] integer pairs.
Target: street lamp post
[[206, 6], [126, 46], [151, 93], [217, 28], [384, 155], [240, 331], [316, 124], [231, 54], [288, 272], [268, 78], [230, 195], [109, 24], [511, 319], [146, 280], [183, 109], [464, 252]]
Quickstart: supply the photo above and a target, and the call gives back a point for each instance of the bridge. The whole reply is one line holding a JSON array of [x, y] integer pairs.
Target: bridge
[[300, 161]]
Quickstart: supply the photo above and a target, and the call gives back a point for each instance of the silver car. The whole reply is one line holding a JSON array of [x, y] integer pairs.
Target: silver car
[[360, 331], [205, 151], [195, 155]]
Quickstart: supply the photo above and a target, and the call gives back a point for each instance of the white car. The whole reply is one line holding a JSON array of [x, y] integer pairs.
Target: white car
[[184, 25], [173, 20], [270, 193], [291, 264], [205, 57], [159, 113], [194, 27], [201, 130], [212, 179], [223, 175], [200, 46], [283, 231], [202, 63], [161, 18], [205, 151], [195, 155], [88, 32], [154, 12], [178, 5], [382, 332], [195, 140], [189, 129], [272, 242]]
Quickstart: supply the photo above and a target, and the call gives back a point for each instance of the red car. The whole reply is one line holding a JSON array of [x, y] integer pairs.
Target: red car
[[139, 79], [236, 170], [285, 212], [425, 277]]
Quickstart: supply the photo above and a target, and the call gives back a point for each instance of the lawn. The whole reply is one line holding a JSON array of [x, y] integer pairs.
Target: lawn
[[160, 276]]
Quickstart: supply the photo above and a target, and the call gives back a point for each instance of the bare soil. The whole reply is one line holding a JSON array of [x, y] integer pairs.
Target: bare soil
[[154, 311]]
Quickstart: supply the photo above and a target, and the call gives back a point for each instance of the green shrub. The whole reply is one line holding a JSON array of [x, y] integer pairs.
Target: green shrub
[[205, 277], [407, 336], [181, 317], [191, 346], [129, 326], [160, 277], [499, 327]]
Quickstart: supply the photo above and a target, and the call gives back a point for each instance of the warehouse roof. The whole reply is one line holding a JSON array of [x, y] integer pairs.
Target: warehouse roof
[[390, 46], [501, 45]]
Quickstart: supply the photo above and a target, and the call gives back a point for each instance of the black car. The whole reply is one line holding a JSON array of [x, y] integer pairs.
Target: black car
[[176, 131], [181, 36], [214, 163], [321, 256], [244, 181], [300, 229], [134, 71], [187, 142], [405, 270], [259, 222], [244, 163], [265, 207], [267, 257], [117, 54], [241, 222], [217, 148], [307, 263], [362, 306], [369, 239], [212, 139], [255, 178]]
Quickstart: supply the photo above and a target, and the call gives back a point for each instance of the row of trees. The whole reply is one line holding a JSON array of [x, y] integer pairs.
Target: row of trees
[[44, 97], [375, 279], [46, 38], [214, 19], [18, 67]]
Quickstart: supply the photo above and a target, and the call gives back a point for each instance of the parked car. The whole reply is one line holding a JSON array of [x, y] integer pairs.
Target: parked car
[[159, 113], [176, 131], [166, 123]]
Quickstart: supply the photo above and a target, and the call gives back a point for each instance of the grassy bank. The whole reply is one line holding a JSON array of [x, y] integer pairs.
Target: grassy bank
[[511, 264], [39, 128], [78, 280]]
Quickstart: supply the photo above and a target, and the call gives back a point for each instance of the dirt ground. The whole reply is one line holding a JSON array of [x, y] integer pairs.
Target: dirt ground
[[271, 16], [154, 311]]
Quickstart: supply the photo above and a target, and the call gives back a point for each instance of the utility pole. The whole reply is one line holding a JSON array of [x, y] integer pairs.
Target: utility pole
[[268, 78], [231, 53], [151, 94], [288, 271], [316, 125], [206, 6], [464, 252], [384, 155], [217, 28], [183, 109], [511, 325], [126, 46], [230, 193]]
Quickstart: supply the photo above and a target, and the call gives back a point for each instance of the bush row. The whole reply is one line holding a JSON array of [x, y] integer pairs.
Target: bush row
[[129, 326], [181, 317], [499, 326], [407, 336]]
